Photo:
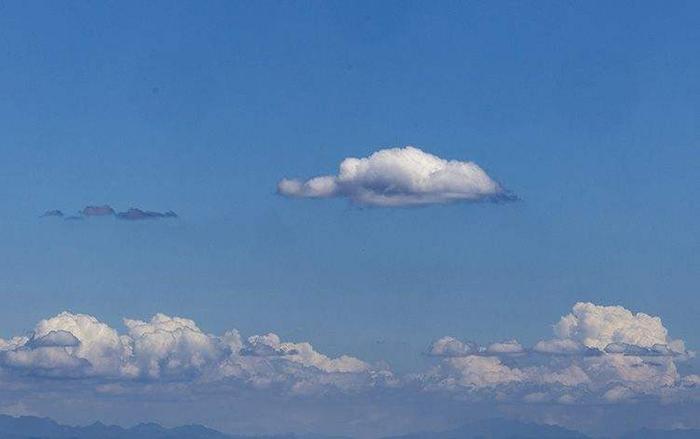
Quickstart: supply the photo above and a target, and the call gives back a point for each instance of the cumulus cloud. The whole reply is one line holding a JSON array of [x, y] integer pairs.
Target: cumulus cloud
[[598, 354], [400, 177], [473, 372], [606, 353], [452, 347], [175, 349], [598, 327], [505, 347]]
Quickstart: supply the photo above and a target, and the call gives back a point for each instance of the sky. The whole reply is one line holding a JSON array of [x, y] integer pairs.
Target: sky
[[580, 120]]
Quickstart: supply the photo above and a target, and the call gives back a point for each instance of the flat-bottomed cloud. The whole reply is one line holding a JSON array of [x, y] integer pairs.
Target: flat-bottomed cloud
[[400, 177]]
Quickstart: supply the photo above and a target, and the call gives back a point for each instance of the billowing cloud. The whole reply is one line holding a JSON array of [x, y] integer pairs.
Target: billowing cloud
[[175, 349], [603, 353], [597, 327], [599, 357], [452, 347], [400, 177], [472, 372]]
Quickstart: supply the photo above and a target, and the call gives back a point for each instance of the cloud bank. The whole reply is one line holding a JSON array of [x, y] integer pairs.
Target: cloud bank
[[175, 349], [400, 177], [599, 356]]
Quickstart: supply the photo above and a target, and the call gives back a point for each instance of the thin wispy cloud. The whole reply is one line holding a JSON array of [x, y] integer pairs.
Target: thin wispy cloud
[[107, 211], [104, 210], [399, 177], [135, 214], [52, 213]]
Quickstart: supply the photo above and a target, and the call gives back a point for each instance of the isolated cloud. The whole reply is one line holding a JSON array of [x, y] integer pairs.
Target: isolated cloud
[[135, 214], [400, 177], [104, 210], [50, 213]]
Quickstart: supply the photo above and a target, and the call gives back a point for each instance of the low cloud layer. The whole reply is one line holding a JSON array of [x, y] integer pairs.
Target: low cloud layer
[[175, 349], [132, 214], [599, 354], [602, 356], [400, 177]]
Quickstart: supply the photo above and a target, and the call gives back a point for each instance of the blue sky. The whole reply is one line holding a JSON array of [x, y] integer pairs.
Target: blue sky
[[587, 111]]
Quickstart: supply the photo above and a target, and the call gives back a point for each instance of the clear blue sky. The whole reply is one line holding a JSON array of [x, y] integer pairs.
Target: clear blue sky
[[588, 111]]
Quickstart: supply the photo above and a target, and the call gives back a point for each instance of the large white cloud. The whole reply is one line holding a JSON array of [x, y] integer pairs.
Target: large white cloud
[[175, 349], [597, 327], [400, 177], [606, 353]]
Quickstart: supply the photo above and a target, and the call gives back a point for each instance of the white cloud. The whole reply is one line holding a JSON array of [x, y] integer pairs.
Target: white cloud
[[597, 327], [175, 349], [559, 347], [472, 372], [400, 177], [452, 347], [604, 352], [171, 346], [505, 347], [100, 351]]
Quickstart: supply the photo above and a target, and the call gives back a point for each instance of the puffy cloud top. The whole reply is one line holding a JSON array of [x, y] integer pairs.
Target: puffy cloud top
[[612, 355], [602, 352], [596, 326], [452, 347], [169, 349], [400, 177]]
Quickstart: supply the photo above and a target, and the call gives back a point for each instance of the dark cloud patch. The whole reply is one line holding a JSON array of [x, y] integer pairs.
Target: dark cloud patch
[[104, 210], [58, 338], [50, 213], [657, 350], [135, 214]]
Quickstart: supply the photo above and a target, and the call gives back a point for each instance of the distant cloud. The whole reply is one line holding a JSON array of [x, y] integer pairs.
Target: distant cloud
[[104, 210], [400, 177], [50, 213], [175, 349], [160, 359], [600, 353], [134, 214], [452, 347]]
